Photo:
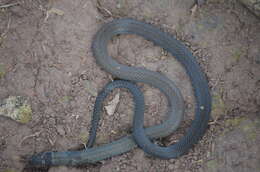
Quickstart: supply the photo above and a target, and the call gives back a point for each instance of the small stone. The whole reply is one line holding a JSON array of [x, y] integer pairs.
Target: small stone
[[60, 130], [171, 166], [52, 121], [117, 168], [74, 80], [172, 160], [118, 5], [69, 74], [84, 76]]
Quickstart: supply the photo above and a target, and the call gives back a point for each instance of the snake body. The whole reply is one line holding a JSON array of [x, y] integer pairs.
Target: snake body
[[142, 136], [138, 101]]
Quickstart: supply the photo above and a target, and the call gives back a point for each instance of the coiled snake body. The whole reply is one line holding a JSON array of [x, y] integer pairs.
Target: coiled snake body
[[141, 136]]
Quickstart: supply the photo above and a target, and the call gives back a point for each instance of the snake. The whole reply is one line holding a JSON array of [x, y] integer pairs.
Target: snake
[[142, 137]]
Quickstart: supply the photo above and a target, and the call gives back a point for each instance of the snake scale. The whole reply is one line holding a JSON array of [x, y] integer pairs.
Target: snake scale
[[141, 137]]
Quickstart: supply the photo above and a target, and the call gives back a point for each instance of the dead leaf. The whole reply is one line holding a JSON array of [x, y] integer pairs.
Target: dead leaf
[[111, 107]]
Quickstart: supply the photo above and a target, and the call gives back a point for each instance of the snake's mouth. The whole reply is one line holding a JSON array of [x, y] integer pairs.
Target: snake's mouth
[[41, 159]]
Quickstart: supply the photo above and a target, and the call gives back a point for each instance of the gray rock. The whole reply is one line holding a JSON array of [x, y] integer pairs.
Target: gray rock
[[16, 108]]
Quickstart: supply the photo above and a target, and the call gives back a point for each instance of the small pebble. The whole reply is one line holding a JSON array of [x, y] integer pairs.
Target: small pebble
[[171, 166], [60, 130]]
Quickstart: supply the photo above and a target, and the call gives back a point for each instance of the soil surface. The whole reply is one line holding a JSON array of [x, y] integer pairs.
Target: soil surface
[[45, 57]]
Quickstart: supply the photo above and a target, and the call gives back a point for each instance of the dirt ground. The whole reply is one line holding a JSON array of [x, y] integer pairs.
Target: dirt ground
[[45, 56]]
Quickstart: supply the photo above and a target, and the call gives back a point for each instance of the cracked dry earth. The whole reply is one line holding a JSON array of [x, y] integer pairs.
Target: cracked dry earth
[[45, 56]]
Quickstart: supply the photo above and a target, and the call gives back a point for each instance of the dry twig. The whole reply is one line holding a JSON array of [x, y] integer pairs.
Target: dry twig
[[9, 5], [32, 135]]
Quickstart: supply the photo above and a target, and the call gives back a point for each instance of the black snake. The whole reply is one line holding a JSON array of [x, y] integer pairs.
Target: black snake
[[140, 135]]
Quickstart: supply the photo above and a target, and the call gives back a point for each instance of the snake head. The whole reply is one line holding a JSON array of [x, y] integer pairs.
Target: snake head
[[41, 159]]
